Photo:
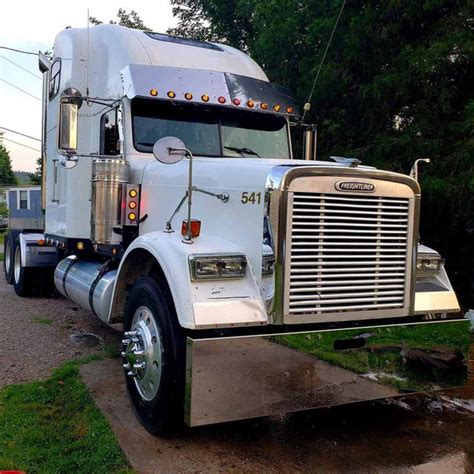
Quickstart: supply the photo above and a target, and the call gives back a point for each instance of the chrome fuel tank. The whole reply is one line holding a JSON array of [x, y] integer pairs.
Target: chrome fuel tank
[[86, 283]]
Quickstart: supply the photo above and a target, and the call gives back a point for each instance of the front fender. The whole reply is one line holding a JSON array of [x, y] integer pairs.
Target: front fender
[[199, 304]]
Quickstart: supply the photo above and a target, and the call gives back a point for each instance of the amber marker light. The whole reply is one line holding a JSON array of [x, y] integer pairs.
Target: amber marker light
[[195, 228], [250, 104], [153, 92], [205, 98], [188, 96], [80, 246], [132, 204], [41, 242], [171, 94], [289, 110], [236, 101], [277, 108], [132, 216], [133, 193], [264, 106], [221, 100]]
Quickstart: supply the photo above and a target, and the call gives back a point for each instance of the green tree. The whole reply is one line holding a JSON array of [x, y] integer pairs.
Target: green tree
[[129, 19], [7, 177], [396, 86]]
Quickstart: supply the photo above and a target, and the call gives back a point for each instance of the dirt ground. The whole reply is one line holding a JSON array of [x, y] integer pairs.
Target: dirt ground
[[35, 335], [416, 435]]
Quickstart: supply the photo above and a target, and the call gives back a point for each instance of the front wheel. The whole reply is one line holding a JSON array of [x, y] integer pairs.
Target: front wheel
[[153, 357]]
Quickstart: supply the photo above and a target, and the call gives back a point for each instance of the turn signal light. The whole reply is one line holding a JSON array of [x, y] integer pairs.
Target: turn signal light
[[250, 103], [154, 92], [132, 216], [80, 246], [264, 106], [277, 108], [205, 98], [171, 94], [289, 110], [195, 227], [236, 101], [133, 193], [221, 100], [132, 204], [188, 96], [41, 242]]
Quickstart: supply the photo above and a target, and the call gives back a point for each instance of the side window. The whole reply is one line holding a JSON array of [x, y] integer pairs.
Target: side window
[[54, 78], [109, 136], [23, 200]]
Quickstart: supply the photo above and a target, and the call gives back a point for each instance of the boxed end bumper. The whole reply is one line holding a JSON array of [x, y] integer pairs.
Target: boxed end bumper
[[232, 378]]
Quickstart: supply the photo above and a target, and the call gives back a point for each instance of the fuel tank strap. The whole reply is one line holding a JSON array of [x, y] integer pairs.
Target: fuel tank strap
[[72, 262], [103, 269]]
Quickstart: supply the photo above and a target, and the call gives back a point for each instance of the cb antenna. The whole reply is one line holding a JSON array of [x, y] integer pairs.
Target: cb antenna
[[307, 104], [87, 59]]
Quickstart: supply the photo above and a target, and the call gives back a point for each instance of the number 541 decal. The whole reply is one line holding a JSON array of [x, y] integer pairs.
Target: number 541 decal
[[250, 198]]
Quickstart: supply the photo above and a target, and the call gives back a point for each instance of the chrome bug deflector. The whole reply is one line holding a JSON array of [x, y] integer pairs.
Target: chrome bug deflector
[[234, 378]]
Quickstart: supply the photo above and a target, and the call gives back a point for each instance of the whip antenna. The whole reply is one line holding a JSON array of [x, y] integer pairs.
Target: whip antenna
[[307, 105]]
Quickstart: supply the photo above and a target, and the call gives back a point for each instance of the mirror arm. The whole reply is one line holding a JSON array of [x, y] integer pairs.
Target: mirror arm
[[168, 228], [224, 197]]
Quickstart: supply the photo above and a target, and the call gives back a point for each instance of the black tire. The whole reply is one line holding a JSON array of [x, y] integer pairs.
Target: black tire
[[8, 258], [164, 412], [23, 277]]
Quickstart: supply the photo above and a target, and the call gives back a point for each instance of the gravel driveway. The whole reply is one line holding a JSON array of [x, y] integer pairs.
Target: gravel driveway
[[36, 335]]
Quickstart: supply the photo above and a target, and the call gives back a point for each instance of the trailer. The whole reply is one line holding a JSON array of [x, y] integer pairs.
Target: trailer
[[248, 283]]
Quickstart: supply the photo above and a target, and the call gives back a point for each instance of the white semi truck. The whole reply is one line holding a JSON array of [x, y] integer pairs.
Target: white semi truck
[[248, 283]]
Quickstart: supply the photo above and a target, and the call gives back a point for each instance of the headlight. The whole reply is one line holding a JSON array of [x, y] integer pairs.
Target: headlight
[[217, 267], [428, 264], [268, 262]]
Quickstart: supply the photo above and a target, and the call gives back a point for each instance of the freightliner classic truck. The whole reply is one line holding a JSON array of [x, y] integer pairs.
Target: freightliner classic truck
[[248, 282]]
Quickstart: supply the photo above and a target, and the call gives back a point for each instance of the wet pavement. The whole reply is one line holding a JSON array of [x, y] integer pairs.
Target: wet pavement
[[415, 434]]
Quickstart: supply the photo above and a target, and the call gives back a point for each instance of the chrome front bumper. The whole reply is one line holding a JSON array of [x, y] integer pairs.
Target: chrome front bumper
[[233, 378]]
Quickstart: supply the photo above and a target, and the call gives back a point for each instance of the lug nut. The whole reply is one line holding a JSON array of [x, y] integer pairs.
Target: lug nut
[[139, 365]]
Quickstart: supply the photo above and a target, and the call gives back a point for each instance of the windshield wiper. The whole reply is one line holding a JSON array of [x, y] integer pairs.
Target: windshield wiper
[[243, 150]]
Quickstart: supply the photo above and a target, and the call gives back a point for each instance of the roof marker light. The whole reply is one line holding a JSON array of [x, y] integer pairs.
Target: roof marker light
[[205, 98], [171, 94], [250, 103], [188, 96], [153, 92], [221, 99], [289, 110], [236, 101], [264, 106], [277, 107]]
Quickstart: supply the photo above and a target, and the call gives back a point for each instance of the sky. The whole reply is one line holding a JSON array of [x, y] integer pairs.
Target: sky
[[32, 25]]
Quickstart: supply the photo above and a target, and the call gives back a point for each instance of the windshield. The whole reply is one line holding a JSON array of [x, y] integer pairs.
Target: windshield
[[210, 130]]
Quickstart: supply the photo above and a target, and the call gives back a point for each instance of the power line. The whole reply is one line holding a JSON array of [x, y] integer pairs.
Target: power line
[[19, 133], [21, 144], [20, 89], [20, 67], [19, 50], [307, 105]]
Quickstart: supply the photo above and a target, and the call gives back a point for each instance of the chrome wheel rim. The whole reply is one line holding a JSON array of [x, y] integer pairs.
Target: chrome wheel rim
[[8, 256], [143, 353], [17, 265]]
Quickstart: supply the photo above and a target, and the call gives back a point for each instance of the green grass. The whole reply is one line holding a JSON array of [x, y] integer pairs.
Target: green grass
[[53, 426], [1, 257], [389, 362], [45, 321]]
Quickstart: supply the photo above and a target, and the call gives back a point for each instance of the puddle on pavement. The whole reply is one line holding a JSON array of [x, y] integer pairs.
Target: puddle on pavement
[[86, 339]]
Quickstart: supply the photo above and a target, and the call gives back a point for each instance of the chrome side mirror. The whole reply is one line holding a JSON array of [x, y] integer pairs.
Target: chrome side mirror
[[67, 138], [169, 150]]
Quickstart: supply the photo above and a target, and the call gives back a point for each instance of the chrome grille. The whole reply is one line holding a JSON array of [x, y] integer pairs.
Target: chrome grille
[[346, 253]]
